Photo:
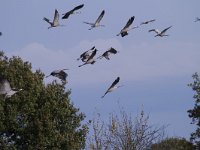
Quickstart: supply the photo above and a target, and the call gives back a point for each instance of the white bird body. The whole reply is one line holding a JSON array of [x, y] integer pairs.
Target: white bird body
[[97, 22], [6, 90], [127, 28], [160, 33], [11, 92]]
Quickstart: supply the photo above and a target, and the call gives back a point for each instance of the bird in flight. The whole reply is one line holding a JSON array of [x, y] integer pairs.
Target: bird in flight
[[66, 15], [146, 22], [5, 88], [112, 87], [107, 53], [197, 19], [127, 28], [90, 60], [55, 22], [84, 56], [160, 33], [97, 22], [61, 74]]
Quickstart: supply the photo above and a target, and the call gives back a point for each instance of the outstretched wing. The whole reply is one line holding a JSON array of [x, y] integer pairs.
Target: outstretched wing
[[56, 18], [62, 75], [105, 54], [112, 50], [4, 86], [66, 15], [155, 30], [114, 83], [92, 55], [130, 21], [47, 20], [78, 7], [197, 19], [152, 20], [87, 52], [163, 31], [100, 17]]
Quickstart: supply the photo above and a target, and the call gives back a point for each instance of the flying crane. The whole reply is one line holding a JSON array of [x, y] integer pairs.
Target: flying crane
[[160, 33], [112, 87], [97, 22], [85, 55], [61, 74], [90, 60], [127, 28], [107, 53], [55, 22]]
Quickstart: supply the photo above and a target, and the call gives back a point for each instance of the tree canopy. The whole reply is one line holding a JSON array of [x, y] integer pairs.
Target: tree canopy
[[195, 112], [173, 144], [40, 116]]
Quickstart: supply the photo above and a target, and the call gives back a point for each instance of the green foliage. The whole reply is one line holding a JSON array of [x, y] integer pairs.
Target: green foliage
[[39, 116], [173, 144], [195, 112]]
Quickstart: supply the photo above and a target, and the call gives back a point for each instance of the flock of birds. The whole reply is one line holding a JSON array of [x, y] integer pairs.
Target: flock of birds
[[86, 57]]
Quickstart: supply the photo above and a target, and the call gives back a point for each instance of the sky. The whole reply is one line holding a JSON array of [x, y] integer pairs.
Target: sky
[[155, 71]]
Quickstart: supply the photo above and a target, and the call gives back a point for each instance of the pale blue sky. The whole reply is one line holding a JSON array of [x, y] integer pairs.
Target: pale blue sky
[[155, 71]]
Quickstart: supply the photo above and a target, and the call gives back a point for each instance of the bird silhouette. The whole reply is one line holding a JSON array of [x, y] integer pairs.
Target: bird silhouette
[[61, 74], [107, 53], [55, 22], [160, 33], [85, 55], [197, 19], [97, 22], [146, 22], [90, 60], [127, 28], [112, 87]]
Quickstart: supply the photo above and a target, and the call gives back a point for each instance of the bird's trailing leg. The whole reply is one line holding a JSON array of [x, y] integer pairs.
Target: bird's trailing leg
[[91, 28], [82, 65]]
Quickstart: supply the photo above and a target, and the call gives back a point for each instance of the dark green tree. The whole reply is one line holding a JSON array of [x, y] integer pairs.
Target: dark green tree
[[195, 112], [173, 144], [40, 116]]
